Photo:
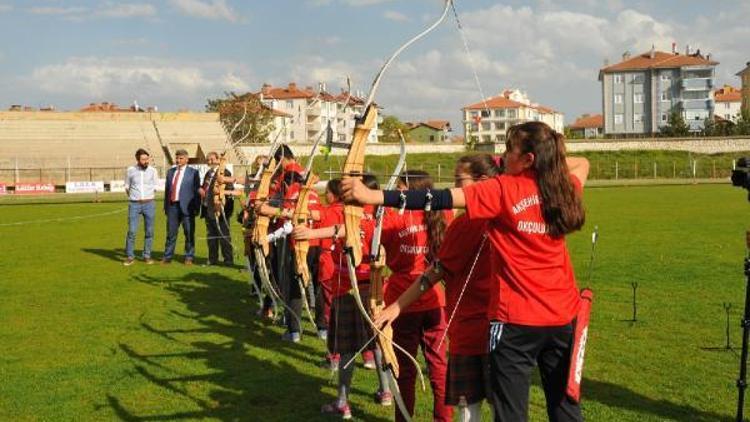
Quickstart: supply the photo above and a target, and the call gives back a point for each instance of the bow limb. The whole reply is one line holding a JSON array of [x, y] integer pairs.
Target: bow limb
[[301, 216]]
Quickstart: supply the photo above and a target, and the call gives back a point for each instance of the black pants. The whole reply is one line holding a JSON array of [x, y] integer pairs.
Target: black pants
[[514, 351], [313, 261], [219, 237], [283, 273]]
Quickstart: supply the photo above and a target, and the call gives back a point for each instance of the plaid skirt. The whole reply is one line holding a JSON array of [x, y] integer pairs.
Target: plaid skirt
[[468, 379], [347, 329]]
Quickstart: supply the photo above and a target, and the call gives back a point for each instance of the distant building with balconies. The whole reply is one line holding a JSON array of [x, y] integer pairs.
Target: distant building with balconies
[[310, 112], [488, 121], [744, 74], [639, 93]]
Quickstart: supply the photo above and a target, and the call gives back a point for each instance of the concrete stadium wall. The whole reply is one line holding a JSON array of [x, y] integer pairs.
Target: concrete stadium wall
[[62, 140], [372, 149]]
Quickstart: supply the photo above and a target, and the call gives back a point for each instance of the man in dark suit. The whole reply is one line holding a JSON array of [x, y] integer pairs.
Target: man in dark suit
[[217, 228], [181, 204]]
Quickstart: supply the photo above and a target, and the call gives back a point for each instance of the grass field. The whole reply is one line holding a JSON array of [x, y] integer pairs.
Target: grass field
[[84, 338]]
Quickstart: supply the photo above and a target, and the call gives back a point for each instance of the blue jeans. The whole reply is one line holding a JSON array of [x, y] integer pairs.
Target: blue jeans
[[135, 210], [175, 218]]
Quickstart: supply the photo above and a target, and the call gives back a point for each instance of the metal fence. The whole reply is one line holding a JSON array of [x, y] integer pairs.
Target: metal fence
[[701, 168]]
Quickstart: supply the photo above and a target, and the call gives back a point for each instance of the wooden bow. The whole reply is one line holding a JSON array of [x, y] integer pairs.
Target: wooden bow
[[354, 167], [377, 297]]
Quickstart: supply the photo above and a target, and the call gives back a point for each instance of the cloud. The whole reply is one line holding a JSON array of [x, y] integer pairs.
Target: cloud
[[104, 10], [353, 3], [395, 16], [86, 79], [207, 9]]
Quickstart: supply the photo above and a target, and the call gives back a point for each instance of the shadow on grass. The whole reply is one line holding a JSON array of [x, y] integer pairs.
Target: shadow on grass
[[218, 336], [616, 396], [118, 254]]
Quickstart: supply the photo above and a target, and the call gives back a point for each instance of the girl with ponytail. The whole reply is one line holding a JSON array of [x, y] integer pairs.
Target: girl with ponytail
[[533, 297]]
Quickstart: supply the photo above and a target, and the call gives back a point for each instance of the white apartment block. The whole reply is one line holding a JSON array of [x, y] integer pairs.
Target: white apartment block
[[728, 103], [311, 110], [488, 121]]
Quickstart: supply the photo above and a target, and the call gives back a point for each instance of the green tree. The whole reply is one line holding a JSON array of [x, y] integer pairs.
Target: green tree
[[258, 121], [390, 127], [675, 126], [742, 127]]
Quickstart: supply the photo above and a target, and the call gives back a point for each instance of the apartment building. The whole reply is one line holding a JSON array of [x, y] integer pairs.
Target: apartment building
[[640, 92], [311, 110], [728, 102], [744, 74], [487, 121]]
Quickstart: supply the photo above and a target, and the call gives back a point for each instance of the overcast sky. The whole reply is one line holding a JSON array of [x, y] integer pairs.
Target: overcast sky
[[177, 53]]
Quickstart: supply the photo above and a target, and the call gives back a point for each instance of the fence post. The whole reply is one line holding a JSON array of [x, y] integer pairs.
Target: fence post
[[695, 167], [674, 169], [17, 175], [91, 174], [598, 170], [67, 171], [617, 169], [40, 175], [713, 166], [654, 169], [635, 170], [438, 175]]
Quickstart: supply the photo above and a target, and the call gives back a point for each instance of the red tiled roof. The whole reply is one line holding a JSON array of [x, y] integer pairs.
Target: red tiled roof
[[727, 94], [661, 60], [438, 124], [495, 102], [288, 93], [588, 122]]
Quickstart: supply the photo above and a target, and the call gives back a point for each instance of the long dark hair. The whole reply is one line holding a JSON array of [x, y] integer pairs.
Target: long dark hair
[[434, 220], [478, 165], [562, 207]]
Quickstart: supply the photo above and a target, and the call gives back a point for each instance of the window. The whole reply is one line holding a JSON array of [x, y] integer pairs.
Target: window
[[638, 98], [618, 79], [432, 138], [618, 119], [486, 126], [500, 125], [638, 79], [290, 104], [485, 113], [487, 138], [473, 127], [618, 98], [499, 138], [637, 118], [500, 112], [291, 134], [664, 118], [665, 96], [512, 113], [726, 106]]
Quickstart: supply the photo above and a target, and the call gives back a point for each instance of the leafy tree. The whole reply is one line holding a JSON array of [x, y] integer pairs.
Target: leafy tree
[[742, 127], [675, 126], [258, 121], [390, 127]]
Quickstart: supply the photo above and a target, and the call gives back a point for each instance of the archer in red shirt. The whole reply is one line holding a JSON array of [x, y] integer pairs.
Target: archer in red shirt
[[534, 299]]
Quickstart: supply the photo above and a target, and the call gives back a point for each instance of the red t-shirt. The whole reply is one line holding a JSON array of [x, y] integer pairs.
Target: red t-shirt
[[405, 239], [468, 331], [329, 215], [340, 282], [534, 282]]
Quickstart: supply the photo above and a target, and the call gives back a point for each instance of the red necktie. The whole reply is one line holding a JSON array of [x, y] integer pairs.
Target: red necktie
[[174, 184]]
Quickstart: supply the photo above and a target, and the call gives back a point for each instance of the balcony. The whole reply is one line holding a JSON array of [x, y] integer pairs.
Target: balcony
[[691, 104], [314, 110], [313, 126], [697, 84]]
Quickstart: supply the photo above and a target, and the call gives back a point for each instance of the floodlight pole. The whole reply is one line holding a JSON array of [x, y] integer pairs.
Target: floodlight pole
[[742, 381]]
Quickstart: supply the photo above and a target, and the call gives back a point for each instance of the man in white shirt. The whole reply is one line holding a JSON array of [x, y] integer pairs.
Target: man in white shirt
[[140, 184]]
